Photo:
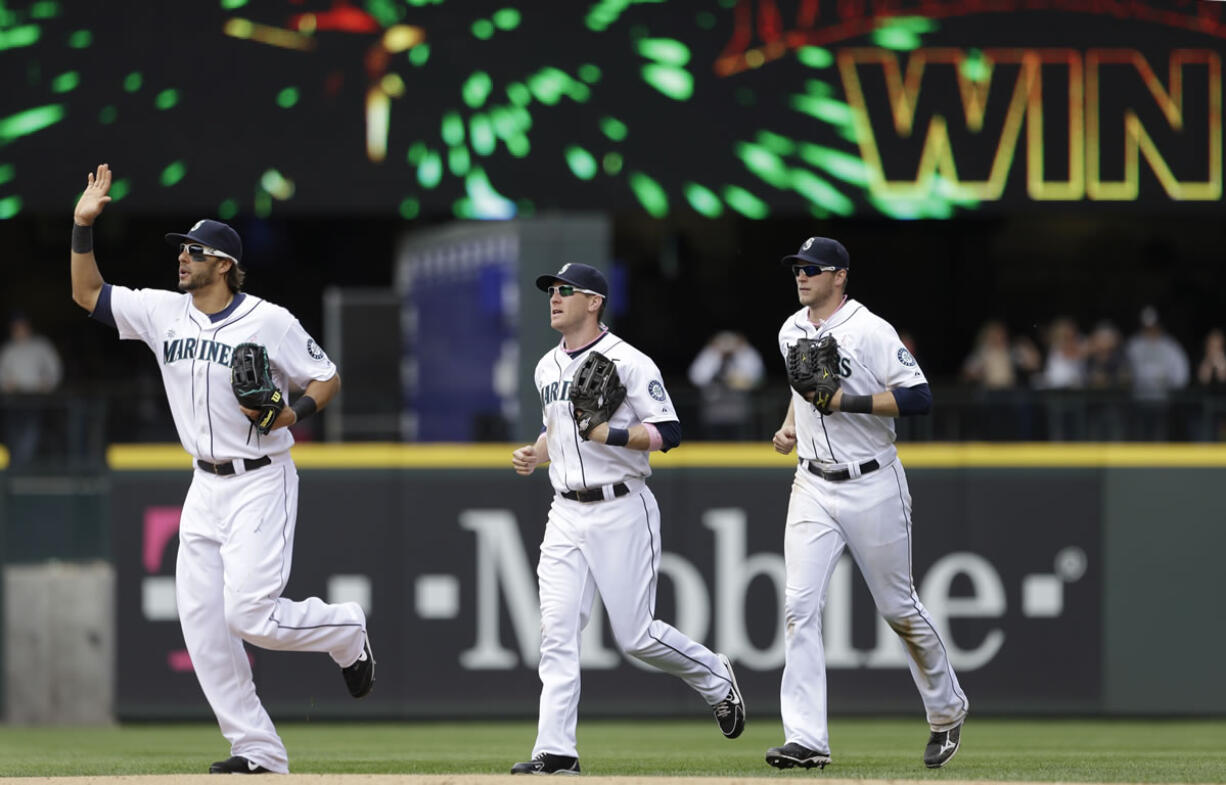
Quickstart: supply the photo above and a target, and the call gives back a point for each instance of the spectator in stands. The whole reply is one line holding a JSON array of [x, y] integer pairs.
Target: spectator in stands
[[29, 366], [1212, 369], [1211, 376], [995, 363], [1105, 366], [726, 372], [1001, 369], [1066, 353], [1106, 377], [1157, 364], [1064, 369]]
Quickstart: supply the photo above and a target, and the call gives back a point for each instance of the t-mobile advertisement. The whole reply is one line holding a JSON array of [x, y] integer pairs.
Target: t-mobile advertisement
[[444, 561]]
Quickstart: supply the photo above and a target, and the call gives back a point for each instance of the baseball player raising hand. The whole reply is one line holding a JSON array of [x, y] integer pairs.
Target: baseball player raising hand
[[236, 533], [605, 408], [850, 493]]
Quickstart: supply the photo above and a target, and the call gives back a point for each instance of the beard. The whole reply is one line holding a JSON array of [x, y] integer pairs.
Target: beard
[[198, 279]]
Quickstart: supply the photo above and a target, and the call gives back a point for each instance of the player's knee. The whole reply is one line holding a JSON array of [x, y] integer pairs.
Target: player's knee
[[803, 608], [248, 617], [900, 616]]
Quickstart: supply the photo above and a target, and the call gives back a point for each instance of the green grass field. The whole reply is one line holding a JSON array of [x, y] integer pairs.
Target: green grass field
[[1158, 750]]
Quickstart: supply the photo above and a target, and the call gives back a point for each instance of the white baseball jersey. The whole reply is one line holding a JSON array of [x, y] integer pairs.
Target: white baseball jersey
[[873, 359], [193, 351], [236, 531], [576, 464]]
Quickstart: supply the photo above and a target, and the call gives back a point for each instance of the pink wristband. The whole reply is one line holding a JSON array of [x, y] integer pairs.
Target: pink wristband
[[655, 440]]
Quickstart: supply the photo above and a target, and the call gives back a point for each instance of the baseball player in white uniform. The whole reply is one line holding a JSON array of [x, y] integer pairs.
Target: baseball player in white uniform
[[603, 530], [850, 492], [236, 533]]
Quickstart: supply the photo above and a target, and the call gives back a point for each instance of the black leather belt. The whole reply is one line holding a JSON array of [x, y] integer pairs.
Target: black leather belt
[[249, 464], [839, 475], [595, 494]]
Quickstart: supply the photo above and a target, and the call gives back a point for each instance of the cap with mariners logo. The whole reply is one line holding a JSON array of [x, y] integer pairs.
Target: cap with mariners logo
[[581, 275], [212, 234], [820, 250]]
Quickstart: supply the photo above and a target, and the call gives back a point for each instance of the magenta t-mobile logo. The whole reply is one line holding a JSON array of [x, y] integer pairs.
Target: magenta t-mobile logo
[[157, 592]]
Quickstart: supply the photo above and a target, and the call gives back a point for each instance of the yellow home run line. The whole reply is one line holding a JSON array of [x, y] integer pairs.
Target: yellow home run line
[[133, 457]]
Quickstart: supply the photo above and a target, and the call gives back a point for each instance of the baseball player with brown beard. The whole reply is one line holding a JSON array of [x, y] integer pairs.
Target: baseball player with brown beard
[[850, 493], [603, 532], [236, 532]]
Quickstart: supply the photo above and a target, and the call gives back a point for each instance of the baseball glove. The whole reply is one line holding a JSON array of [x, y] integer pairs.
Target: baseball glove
[[596, 392], [253, 385], [813, 367]]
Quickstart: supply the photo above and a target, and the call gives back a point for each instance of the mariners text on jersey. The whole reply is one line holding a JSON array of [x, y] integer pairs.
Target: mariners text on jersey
[[191, 349]]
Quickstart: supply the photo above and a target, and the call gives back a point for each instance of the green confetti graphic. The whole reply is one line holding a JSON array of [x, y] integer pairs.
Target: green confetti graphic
[[506, 19], [120, 188], [7, 171], [745, 203], [481, 134], [650, 194], [16, 37], [173, 174], [453, 129], [166, 99], [9, 207], [133, 81], [65, 82], [815, 56], [703, 200], [613, 128], [81, 39], [674, 82], [409, 208], [665, 51], [430, 170], [483, 29], [227, 209], [582, 164], [287, 98], [30, 121], [476, 89]]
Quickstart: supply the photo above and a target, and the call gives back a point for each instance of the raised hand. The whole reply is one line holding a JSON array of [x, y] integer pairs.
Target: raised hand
[[90, 205]]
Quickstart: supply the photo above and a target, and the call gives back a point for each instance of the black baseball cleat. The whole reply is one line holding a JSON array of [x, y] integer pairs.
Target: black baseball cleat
[[360, 676], [791, 755], [942, 745], [547, 763], [730, 712], [237, 764]]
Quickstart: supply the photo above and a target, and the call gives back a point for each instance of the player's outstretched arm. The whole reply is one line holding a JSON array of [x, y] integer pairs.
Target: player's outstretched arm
[[785, 438], [527, 458], [86, 279]]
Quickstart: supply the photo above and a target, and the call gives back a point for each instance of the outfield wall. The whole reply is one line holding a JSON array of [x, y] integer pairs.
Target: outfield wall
[[1066, 579]]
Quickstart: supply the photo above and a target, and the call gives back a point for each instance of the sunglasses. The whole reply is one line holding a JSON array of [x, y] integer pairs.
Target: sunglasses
[[811, 270], [566, 290], [197, 252]]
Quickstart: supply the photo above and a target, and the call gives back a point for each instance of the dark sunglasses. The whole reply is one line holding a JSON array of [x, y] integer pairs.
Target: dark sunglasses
[[811, 270], [197, 252], [566, 290]]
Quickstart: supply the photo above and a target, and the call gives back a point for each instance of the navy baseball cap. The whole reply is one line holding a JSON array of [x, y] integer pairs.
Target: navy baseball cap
[[820, 251], [213, 234], [581, 275]]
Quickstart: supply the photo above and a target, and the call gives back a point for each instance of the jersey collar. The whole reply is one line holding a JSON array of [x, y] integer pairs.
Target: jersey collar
[[573, 353], [226, 312]]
